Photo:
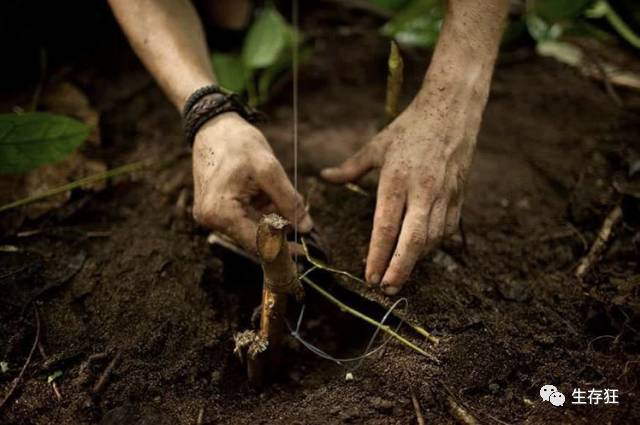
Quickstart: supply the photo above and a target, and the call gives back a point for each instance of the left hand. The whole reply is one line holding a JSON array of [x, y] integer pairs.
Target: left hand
[[424, 155]]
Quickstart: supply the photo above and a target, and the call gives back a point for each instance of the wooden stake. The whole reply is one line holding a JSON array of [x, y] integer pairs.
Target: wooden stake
[[279, 281]]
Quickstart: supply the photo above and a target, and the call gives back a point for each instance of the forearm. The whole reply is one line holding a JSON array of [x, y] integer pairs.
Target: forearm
[[168, 37], [466, 51]]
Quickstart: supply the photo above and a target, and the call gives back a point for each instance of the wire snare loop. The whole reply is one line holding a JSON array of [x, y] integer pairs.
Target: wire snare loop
[[367, 351]]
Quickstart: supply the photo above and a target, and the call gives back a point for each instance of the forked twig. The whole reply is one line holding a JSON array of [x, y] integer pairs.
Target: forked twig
[[323, 266], [384, 328]]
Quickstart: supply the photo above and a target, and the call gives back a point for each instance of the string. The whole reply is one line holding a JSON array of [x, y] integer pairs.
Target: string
[[296, 32], [368, 352]]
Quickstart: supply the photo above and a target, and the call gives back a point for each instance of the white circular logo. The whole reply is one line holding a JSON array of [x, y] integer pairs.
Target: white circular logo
[[546, 391]]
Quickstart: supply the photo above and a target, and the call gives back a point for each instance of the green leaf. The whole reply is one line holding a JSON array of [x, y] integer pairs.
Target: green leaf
[[560, 51], [555, 10], [230, 71], [4, 367], [417, 25], [541, 30], [268, 76], [32, 139], [266, 39], [55, 375]]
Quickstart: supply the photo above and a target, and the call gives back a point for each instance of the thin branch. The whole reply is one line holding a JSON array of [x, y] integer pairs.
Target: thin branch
[[416, 407], [104, 378], [125, 169], [323, 266], [599, 245], [26, 363], [366, 318]]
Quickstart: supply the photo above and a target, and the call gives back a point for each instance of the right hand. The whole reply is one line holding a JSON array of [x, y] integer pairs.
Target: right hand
[[237, 179]]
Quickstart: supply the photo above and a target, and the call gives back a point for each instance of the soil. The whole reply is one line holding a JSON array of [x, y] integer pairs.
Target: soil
[[125, 272]]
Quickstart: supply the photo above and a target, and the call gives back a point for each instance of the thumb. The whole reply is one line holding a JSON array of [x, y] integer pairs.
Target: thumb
[[352, 169], [275, 183]]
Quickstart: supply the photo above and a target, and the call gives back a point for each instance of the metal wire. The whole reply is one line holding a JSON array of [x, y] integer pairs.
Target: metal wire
[[368, 352], [345, 362]]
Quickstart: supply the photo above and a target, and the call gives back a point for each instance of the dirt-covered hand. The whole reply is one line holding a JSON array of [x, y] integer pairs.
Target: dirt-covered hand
[[237, 179], [424, 156]]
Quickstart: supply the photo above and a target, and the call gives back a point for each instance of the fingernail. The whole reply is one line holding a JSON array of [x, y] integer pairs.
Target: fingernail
[[374, 279], [389, 289], [306, 224], [329, 172]]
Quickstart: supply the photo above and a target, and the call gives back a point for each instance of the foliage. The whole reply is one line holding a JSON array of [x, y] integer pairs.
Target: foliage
[[550, 20], [31, 139], [417, 22], [266, 53]]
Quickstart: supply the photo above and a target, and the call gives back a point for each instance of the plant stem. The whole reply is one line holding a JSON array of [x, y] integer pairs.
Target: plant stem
[[621, 27], [125, 169], [394, 83], [366, 318]]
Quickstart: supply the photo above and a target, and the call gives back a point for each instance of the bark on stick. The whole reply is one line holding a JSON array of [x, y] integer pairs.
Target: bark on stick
[[264, 355]]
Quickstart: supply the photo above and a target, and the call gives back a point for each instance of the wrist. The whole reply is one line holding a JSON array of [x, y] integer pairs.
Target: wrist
[[454, 83], [208, 103], [222, 123]]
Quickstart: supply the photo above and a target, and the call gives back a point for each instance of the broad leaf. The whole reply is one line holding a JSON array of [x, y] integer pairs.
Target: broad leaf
[[230, 71], [418, 24], [266, 40], [269, 75], [32, 139]]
